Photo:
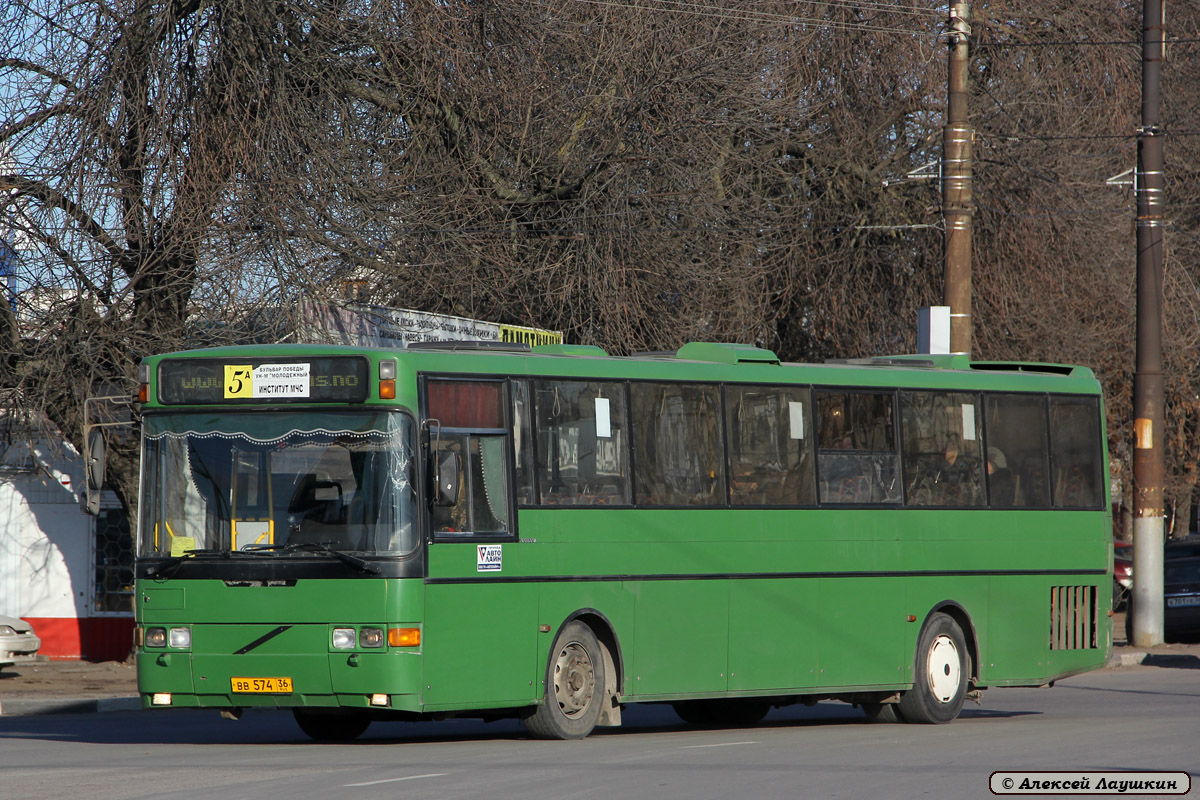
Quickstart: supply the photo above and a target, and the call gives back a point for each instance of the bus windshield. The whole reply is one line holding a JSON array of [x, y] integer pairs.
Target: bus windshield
[[285, 481]]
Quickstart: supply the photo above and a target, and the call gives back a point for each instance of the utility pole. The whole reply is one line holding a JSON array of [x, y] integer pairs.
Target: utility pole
[[1148, 413], [957, 205]]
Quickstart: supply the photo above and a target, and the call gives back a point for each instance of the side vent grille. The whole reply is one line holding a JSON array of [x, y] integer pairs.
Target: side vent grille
[[1073, 618]]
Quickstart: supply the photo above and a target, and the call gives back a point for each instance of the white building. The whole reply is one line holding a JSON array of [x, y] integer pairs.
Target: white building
[[69, 574]]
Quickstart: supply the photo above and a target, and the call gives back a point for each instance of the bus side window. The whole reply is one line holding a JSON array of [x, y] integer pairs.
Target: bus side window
[[470, 422], [770, 445], [580, 443], [677, 444], [482, 501], [942, 447], [857, 462], [522, 433], [1016, 428], [1075, 451]]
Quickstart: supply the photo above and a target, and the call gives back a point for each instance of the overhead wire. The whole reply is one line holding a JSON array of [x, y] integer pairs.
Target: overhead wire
[[745, 15]]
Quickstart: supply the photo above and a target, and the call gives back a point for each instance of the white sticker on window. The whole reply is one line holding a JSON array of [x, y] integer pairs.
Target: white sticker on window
[[968, 411], [490, 558], [603, 420], [796, 420], [280, 380]]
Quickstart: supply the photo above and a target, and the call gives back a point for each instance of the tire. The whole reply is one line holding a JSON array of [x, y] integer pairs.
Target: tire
[[1129, 622], [575, 684], [882, 713], [731, 713], [941, 674], [332, 727]]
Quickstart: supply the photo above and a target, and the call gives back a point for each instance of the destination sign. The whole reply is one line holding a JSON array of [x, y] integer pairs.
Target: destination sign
[[334, 379]]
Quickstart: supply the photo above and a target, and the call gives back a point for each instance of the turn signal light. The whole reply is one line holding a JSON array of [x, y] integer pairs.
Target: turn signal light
[[387, 379], [143, 395], [404, 637]]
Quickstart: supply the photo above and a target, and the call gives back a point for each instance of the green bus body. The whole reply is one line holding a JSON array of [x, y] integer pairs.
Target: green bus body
[[777, 602]]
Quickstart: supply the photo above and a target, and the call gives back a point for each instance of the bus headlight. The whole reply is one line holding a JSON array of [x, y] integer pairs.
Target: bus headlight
[[180, 638], [343, 638], [156, 637], [371, 637]]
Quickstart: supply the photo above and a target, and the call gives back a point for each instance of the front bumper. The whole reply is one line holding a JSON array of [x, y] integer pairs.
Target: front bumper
[[20, 648]]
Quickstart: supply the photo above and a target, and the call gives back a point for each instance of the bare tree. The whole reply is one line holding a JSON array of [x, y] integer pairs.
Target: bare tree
[[129, 128], [1057, 99], [636, 175]]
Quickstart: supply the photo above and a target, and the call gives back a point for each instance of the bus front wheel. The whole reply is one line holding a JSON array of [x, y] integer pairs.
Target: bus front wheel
[[331, 727], [575, 684], [942, 671]]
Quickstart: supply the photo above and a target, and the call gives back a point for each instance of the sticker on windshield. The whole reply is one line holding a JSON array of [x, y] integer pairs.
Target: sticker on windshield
[[489, 559]]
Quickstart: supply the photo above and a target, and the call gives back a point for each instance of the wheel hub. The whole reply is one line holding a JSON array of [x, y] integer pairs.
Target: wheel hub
[[574, 680], [945, 669]]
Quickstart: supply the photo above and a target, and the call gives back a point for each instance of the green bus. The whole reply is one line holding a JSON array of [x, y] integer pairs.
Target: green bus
[[549, 533]]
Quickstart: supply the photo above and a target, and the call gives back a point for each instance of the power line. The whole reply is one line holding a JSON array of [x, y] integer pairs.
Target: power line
[[741, 15], [1082, 43]]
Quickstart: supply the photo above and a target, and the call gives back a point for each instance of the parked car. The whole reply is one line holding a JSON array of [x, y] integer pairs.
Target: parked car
[[18, 643], [1181, 598], [1122, 573], [1181, 592]]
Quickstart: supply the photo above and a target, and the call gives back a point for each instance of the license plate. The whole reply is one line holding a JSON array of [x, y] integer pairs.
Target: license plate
[[1176, 602], [261, 685]]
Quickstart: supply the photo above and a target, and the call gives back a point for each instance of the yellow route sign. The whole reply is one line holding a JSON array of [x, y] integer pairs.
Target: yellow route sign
[[238, 381]]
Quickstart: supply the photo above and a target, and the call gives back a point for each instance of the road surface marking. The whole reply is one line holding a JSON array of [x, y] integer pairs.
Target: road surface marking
[[394, 780]]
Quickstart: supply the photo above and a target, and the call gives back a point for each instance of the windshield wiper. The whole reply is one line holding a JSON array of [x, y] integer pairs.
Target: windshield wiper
[[174, 561], [315, 547]]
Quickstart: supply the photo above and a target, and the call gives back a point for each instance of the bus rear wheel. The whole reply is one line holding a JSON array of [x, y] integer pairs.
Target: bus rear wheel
[[942, 671], [331, 727], [575, 684]]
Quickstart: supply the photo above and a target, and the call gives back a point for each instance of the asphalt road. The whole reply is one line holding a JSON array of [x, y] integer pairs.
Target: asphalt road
[[1142, 718]]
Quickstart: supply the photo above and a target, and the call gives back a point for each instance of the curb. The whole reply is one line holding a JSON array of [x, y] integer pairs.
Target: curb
[[1126, 659], [17, 707]]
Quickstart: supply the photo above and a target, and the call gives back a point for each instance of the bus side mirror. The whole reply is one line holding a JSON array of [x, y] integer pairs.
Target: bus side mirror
[[95, 458], [446, 469]]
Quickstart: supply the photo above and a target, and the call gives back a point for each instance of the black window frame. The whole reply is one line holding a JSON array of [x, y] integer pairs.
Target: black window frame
[[431, 433]]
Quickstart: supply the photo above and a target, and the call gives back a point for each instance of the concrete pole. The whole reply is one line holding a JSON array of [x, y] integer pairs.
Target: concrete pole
[[957, 138], [1148, 398]]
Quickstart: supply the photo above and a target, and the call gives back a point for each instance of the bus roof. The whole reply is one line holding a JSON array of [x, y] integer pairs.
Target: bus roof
[[696, 361]]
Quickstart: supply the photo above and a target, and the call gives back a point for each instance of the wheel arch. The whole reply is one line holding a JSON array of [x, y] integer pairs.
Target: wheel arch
[[956, 612], [605, 631]]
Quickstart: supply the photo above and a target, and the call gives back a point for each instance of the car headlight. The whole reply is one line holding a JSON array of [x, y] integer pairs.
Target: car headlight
[[343, 638], [6, 630]]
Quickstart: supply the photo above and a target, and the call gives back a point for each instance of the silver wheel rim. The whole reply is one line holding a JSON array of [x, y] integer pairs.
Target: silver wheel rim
[[574, 680], [945, 669]]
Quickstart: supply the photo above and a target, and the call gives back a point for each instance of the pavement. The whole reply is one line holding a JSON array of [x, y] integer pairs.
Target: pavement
[[74, 687], [68, 687]]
